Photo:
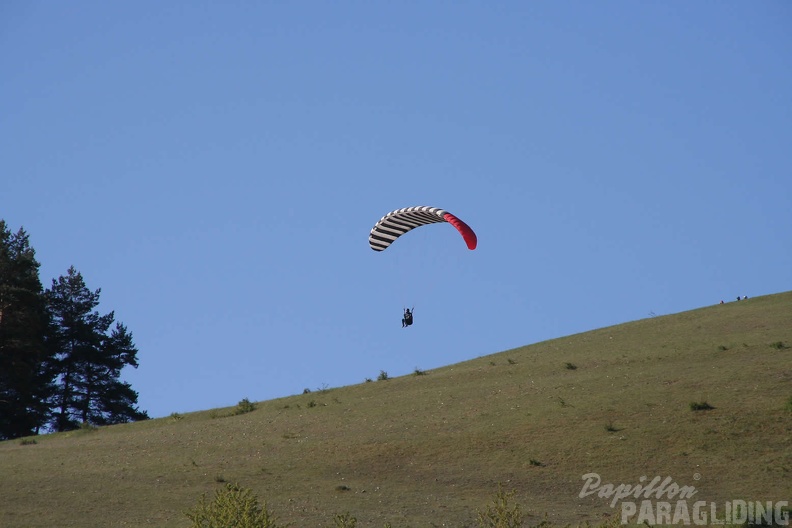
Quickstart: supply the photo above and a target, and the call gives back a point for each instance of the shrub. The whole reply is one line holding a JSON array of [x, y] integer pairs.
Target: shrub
[[779, 345], [501, 514], [570, 366], [610, 427], [87, 427], [419, 372], [233, 506], [788, 406], [176, 417], [700, 406], [345, 520], [382, 376], [244, 406], [28, 441]]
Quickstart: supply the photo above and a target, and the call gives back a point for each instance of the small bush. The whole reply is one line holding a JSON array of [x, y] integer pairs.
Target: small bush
[[611, 428], [233, 506], [28, 441], [312, 404], [723, 348], [383, 376], [511, 361], [306, 391], [535, 462], [345, 520], [788, 406], [570, 366], [501, 514], [176, 417], [779, 345], [343, 487], [88, 427], [419, 372], [244, 406], [700, 406]]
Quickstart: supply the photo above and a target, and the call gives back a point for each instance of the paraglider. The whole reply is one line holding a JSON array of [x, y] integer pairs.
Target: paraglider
[[407, 319], [398, 222]]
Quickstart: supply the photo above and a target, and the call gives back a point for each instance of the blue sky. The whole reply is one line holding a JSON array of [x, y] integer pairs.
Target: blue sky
[[215, 168]]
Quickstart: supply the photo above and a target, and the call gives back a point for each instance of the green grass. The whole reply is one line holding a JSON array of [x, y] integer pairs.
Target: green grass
[[423, 449]]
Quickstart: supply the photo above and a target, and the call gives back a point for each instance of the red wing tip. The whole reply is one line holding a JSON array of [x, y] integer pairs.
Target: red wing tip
[[467, 233]]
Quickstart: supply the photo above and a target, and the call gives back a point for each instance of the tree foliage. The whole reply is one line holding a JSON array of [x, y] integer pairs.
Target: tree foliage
[[60, 360], [26, 369], [90, 354]]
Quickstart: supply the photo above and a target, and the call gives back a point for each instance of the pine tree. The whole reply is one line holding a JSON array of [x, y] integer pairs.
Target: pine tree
[[90, 357], [26, 372]]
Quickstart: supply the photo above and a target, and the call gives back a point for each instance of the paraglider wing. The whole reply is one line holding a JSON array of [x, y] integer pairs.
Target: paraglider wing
[[464, 230], [396, 223]]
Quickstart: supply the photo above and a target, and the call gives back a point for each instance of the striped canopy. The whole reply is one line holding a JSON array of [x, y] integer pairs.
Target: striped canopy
[[396, 223]]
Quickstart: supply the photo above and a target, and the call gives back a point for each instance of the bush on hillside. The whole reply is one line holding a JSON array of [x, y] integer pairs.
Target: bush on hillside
[[501, 514], [700, 406], [345, 520], [232, 507], [244, 406]]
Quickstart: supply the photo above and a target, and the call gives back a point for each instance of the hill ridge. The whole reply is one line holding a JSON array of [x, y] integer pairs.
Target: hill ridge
[[431, 447]]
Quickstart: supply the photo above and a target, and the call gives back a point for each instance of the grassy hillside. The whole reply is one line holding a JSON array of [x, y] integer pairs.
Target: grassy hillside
[[432, 447]]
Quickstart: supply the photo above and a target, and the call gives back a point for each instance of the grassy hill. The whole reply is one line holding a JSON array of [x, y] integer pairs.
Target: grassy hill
[[432, 447]]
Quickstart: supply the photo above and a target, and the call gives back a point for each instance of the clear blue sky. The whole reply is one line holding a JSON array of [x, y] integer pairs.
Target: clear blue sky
[[215, 168]]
